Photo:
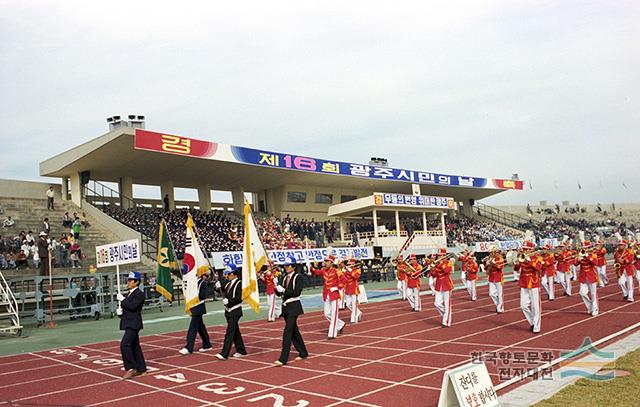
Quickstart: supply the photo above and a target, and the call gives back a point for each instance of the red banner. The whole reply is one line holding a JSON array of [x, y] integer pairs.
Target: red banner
[[167, 143], [508, 184]]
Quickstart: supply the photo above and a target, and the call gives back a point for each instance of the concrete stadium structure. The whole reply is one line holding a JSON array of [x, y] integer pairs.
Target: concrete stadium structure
[[282, 184]]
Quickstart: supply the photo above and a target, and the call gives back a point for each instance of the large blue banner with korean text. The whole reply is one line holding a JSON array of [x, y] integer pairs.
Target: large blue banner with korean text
[[222, 259]]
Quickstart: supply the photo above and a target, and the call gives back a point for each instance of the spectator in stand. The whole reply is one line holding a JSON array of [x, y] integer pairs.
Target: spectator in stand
[[77, 223], [50, 196], [76, 255], [7, 223], [85, 221], [67, 222], [43, 254], [165, 202], [45, 226], [1, 210]]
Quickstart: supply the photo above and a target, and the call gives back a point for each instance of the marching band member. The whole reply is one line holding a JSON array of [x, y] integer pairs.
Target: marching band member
[[636, 263], [530, 266], [588, 278], [601, 263], [624, 257], [333, 281], [441, 271], [351, 290], [564, 269], [549, 271], [291, 310], [464, 258], [431, 279], [401, 275], [572, 265], [270, 278], [494, 267], [472, 277], [414, 272]]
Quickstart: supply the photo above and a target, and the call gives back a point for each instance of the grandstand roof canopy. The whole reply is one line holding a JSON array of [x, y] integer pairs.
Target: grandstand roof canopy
[[152, 158]]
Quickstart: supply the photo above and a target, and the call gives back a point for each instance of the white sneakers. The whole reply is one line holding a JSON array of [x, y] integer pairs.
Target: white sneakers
[[238, 355], [184, 351], [202, 350], [219, 356]]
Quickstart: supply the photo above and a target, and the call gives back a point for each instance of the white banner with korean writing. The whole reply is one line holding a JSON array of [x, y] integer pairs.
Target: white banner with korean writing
[[505, 245], [222, 259], [119, 253]]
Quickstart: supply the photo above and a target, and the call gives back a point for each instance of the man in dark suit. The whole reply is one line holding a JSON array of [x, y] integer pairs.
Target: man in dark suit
[[291, 308], [130, 312], [232, 301], [197, 324]]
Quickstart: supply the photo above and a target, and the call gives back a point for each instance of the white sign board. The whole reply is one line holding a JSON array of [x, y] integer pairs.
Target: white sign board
[[415, 188], [116, 254], [222, 259], [468, 386], [362, 296]]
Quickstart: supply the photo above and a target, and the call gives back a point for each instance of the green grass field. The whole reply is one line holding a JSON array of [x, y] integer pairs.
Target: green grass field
[[619, 392]]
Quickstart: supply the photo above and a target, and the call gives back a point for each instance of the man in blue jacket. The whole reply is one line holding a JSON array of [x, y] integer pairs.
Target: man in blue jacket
[[130, 313], [197, 324]]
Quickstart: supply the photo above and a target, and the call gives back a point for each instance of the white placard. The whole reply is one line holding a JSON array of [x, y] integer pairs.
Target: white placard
[[468, 385], [362, 295], [222, 259], [415, 188], [115, 254]]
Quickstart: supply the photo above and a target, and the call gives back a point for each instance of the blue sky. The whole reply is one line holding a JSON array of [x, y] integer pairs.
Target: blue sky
[[545, 89]]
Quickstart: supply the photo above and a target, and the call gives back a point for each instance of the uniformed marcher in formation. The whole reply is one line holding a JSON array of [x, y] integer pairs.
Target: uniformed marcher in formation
[[232, 302], [196, 326], [290, 292], [131, 323]]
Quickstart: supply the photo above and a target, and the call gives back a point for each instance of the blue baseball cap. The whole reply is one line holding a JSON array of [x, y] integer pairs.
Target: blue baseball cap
[[291, 261], [231, 268], [134, 275]]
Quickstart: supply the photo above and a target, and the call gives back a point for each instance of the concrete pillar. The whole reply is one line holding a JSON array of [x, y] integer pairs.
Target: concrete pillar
[[444, 229], [76, 189], [270, 202], [237, 196], [64, 194], [343, 226], [424, 222], [375, 226], [467, 208], [126, 192], [166, 188], [204, 197], [397, 223]]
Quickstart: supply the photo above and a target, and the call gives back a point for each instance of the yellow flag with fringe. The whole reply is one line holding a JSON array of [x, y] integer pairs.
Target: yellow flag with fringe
[[254, 257]]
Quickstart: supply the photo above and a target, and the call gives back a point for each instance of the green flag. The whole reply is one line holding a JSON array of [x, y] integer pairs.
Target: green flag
[[166, 263]]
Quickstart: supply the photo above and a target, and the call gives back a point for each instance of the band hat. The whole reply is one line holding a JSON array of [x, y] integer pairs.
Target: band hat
[[351, 261], [586, 244], [528, 245], [43, 233], [331, 258], [442, 252], [134, 275], [412, 256]]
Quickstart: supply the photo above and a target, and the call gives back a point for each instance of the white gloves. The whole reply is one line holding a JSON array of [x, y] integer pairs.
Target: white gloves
[[527, 258], [225, 301], [120, 297], [119, 311], [218, 285], [333, 289], [280, 289], [275, 280]]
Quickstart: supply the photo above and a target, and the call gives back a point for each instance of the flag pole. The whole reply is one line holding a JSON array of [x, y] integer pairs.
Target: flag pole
[[215, 278], [175, 256]]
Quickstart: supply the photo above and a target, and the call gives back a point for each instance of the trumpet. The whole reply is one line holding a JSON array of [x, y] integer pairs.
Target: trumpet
[[522, 256], [618, 269]]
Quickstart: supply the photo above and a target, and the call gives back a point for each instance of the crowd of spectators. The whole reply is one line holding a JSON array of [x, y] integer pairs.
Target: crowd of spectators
[[216, 232], [558, 227], [470, 230], [21, 251]]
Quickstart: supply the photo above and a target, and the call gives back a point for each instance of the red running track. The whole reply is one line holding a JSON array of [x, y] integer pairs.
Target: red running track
[[394, 357]]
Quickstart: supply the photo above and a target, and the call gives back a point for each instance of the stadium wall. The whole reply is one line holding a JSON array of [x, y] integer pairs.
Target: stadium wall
[[10, 188], [308, 209]]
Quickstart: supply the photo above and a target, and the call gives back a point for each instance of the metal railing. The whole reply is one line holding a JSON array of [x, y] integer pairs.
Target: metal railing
[[8, 301], [101, 196], [499, 216]]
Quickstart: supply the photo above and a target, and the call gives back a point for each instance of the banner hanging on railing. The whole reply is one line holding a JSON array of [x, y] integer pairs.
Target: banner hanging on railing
[[506, 245], [222, 259]]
